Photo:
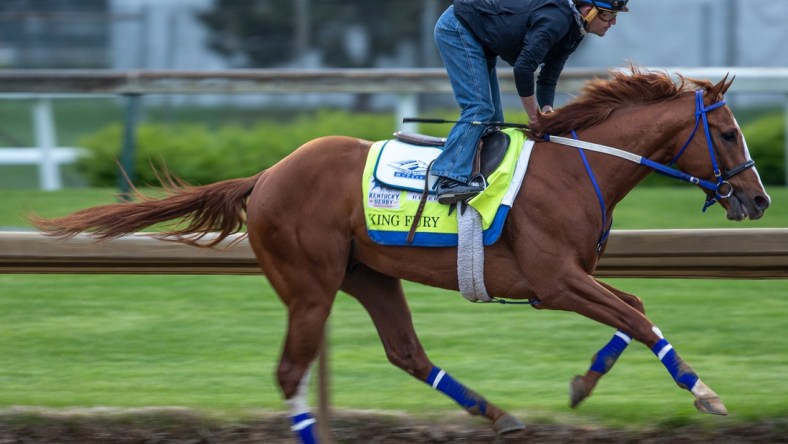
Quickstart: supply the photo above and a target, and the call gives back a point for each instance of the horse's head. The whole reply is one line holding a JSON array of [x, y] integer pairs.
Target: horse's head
[[717, 152], [708, 146]]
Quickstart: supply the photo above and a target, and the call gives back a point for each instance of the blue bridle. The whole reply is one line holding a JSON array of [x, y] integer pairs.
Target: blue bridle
[[721, 177], [721, 188]]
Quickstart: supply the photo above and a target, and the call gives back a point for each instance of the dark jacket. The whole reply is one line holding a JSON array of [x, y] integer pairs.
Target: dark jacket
[[525, 33]]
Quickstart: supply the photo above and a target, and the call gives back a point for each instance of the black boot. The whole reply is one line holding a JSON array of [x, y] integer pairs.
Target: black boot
[[451, 191]]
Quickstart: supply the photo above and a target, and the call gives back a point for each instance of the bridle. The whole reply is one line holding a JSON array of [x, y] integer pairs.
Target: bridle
[[721, 187], [721, 176]]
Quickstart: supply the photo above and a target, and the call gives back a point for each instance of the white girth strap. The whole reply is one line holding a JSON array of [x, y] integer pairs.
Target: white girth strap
[[470, 255]]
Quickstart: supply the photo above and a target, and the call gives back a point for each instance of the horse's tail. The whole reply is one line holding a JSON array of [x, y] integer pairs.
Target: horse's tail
[[193, 211]]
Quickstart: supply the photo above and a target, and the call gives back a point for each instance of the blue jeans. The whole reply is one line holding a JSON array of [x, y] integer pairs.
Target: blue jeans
[[475, 83]]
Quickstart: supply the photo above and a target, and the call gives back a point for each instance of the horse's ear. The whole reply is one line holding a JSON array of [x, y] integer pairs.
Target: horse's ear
[[716, 92], [727, 85]]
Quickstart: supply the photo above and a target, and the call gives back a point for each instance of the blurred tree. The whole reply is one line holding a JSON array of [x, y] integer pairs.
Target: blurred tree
[[261, 32], [347, 33]]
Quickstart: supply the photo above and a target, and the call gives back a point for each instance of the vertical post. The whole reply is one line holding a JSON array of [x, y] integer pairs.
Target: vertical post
[[303, 21], [127, 153], [705, 38], [48, 169], [407, 106], [430, 11], [785, 136], [732, 33], [324, 392]]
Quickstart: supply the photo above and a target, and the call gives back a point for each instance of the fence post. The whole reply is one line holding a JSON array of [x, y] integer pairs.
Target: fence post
[[44, 127], [785, 137], [324, 390], [127, 154], [407, 106]]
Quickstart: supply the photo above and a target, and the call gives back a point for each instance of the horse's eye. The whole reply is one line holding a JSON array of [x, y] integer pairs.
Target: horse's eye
[[729, 136]]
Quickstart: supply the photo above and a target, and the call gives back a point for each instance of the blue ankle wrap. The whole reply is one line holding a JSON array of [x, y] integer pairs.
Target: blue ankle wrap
[[605, 358], [685, 377], [443, 382], [304, 427]]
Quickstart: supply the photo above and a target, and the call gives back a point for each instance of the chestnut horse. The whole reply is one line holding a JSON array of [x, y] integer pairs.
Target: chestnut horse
[[305, 221]]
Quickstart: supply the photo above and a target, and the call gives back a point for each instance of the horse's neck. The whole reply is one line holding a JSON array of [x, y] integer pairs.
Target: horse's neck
[[649, 131]]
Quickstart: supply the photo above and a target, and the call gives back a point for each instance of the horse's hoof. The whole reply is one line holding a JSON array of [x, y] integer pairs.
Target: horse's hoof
[[711, 404], [578, 391], [507, 424]]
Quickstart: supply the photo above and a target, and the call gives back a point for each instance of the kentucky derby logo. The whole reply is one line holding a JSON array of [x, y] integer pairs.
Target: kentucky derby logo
[[409, 169], [382, 197]]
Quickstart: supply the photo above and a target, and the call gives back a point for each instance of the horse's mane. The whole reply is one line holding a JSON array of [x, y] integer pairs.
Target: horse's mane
[[599, 98]]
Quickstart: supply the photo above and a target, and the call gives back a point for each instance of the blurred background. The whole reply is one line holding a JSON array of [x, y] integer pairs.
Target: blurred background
[[198, 130], [211, 342], [219, 34]]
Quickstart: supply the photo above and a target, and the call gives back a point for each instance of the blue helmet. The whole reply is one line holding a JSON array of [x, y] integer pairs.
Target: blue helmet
[[610, 5]]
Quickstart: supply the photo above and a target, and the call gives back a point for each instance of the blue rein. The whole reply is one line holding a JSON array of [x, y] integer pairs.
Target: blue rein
[[605, 228]]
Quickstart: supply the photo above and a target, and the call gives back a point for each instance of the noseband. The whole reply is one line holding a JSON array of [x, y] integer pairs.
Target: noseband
[[722, 189]]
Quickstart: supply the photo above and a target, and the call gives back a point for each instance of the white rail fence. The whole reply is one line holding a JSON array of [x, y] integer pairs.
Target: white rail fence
[[407, 84]]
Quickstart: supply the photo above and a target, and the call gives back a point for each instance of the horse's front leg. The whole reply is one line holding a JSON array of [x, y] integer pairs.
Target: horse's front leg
[[581, 386], [582, 294]]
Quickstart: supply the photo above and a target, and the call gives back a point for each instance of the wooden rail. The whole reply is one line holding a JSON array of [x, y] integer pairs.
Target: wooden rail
[[375, 81], [707, 253]]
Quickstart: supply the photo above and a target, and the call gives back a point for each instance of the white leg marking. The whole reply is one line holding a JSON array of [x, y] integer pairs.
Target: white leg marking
[[298, 403], [701, 390]]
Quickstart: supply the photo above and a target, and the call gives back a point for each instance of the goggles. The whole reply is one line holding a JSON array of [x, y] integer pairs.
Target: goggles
[[606, 15]]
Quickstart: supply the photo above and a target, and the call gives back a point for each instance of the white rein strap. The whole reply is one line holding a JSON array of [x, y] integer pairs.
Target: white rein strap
[[597, 147]]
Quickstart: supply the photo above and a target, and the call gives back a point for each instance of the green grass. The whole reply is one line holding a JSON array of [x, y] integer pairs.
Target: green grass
[[212, 342]]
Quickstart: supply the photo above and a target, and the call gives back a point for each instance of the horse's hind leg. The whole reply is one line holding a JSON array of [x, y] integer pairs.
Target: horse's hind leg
[[384, 300], [581, 386], [308, 293], [305, 331]]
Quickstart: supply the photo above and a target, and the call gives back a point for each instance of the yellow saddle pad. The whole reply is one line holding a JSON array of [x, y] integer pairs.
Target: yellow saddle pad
[[390, 206]]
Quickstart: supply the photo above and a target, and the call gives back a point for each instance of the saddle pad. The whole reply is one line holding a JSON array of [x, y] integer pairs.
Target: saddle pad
[[404, 166], [389, 209]]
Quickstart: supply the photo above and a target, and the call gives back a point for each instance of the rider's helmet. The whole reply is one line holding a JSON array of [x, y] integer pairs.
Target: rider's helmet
[[606, 10]]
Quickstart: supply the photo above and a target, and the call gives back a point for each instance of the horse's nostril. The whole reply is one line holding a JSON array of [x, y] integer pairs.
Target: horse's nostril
[[761, 202]]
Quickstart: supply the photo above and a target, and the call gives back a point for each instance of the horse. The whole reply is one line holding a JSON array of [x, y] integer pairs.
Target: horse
[[305, 222]]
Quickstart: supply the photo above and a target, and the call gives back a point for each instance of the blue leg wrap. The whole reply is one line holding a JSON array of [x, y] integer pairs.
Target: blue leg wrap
[[606, 357], [683, 374], [304, 428], [443, 382]]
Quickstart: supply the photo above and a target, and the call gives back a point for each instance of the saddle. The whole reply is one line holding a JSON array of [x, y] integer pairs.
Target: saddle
[[489, 154]]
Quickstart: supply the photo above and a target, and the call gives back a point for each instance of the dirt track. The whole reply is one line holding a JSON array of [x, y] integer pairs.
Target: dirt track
[[182, 427]]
